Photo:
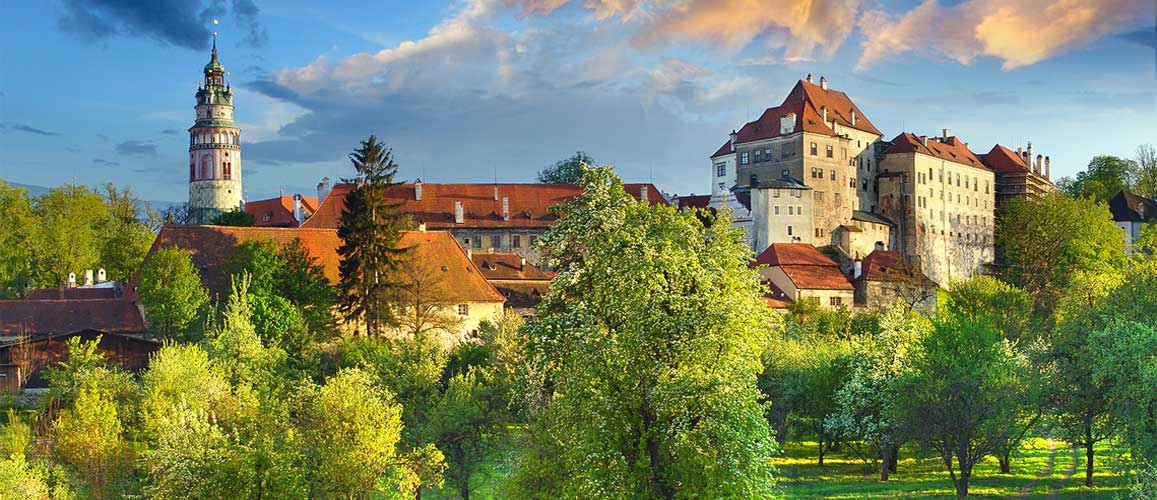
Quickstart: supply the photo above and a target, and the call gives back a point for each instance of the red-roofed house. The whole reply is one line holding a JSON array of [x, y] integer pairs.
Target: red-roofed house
[[884, 277], [283, 211], [802, 272], [523, 284], [482, 217], [1018, 175], [942, 198], [819, 144], [452, 278]]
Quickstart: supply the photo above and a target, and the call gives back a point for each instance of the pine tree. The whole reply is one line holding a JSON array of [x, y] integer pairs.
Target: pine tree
[[370, 231]]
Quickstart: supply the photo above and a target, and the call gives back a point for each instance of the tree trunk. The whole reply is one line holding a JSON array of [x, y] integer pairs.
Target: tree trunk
[[965, 476], [821, 461], [1089, 462], [659, 484], [895, 461], [886, 467], [1005, 460]]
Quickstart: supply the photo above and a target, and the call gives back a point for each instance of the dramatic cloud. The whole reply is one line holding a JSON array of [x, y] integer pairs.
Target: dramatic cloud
[[136, 148], [20, 127], [182, 23], [1017, 32], [799, 27]]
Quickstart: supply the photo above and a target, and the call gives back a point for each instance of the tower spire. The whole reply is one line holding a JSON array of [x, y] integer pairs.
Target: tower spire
[[214, 46]]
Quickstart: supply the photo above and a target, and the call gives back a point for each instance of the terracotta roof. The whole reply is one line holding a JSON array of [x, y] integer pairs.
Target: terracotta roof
[[725, 149], [278, 212], [529, 204], [882, 265], [701, 201], [805, 266], [775, 298], [71, 293], [212, 248], [1004, 160], [507, 266], [951, 149], [43, 317], [523, 294], [807, 100], [1125, 208]]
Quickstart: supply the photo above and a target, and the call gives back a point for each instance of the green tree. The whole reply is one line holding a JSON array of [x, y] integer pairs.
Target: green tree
[[302, 281], [650, 345], [88, 437], [1127, 355], [370, 231], [124, 248], [234, 217], [181, 374], [1145, 183], [865, 412], [195, 458], [17, 227], [801, 378], [67, 236], [287, 288], [1103, 179], [171, 291], [1046, 244], [568, 171]]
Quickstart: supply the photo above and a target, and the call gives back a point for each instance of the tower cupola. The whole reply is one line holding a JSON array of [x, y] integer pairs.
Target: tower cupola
[[214, 147]]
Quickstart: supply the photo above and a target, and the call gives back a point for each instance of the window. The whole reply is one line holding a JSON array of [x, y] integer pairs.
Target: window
[[835, 301], [516, 241], [785, 173], [815, 149], [777, 210], [192, 171], [478, 242], [833, 174], [720, 169], [533, 238], [743, 158], [829, 152], [845, 153], [819, 195], [775, 193], [758, 155], [767, 154], [496, 241], [789, 229], [754, 180], [228, 170], [463, 309], [790, 211], [799, 209]]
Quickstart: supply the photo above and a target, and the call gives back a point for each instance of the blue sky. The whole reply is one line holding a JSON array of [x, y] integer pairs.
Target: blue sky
[[472, 91]]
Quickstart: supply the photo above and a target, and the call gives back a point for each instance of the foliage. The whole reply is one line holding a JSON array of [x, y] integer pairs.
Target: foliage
[[17, 227], [289, 294], [234, 217], [88, 437], [370, 231], [124, 248], [195, 458], [1127, 365], [1145, 181], [1105, 177], [181, 376], [984, 299], [67, 237], [1047, 244], [650, 344], [419, 306], [171, 291], [801, 378], [568, 171]]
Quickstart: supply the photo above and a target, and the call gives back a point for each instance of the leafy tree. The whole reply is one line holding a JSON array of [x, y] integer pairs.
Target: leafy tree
[[964, 391], [370, 231], [420, 306], [568, 171], [171, 291], [302, 281], [1105, 177], [801, 378], [181, 375], [1127, 354], [67, 236], [173, 214], [17, 228], [1047, 243], [88, 437], [650, 345], [866, 403], [234, 217], [195, 458], [1145, 183], [124, 248], [288, 290]]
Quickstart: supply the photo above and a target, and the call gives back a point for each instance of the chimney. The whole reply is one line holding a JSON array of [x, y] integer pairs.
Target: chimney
[[506, 209], [422, 227], [322, 189], [418, 189], [857, 268], [1046, 168], [1028, 156], [469, 253], [945, 133], [643, 193], [72, 280], [522, 264], [298, 210], [924, 140], [824, 82], [824, 111], [88, 277], [458, 219], [101, 275], [1037, 166], [734, 136], [496, 192], [853, 114], [809, 77]]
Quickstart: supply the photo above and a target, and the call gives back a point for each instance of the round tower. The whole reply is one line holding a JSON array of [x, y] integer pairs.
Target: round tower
[[214, 148]]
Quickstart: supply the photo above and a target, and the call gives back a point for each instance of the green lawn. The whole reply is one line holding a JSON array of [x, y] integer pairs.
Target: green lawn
[[842, 476]]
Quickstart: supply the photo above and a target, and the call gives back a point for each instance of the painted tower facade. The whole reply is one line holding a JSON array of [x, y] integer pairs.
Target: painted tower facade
[[214, 149]]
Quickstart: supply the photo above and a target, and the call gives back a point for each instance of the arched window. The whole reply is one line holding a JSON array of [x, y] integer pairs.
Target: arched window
[[192, 171], [228, 173], [206, 167]]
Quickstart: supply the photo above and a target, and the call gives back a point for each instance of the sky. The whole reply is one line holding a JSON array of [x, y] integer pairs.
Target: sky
[[95, 91]]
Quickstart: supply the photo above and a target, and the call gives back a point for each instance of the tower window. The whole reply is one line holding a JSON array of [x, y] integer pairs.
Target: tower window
[[720, 169]]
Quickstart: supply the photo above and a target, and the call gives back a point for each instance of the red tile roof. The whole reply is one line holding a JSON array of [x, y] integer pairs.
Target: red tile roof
[[805, 266], [529, 204], [883, 265], [523, 294], [951, 149], [725, 149], [70, 293], [807, 101], [278, 212], [775, 298], [212, 247], [1004, 160], [43, 317], [701, 201], [508, 266]]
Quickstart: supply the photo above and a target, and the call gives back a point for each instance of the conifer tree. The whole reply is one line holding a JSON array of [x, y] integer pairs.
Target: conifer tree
[[370, 231]]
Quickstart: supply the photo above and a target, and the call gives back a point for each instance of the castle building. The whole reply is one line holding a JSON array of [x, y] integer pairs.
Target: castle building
[[214, 148], [1018, 174]]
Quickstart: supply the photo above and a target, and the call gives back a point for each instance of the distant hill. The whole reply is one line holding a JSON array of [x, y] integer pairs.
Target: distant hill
[[36, 191]]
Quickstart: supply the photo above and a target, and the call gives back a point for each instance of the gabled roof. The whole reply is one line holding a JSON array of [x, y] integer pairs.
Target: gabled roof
[[700, 201], [725, 149], [863, 216], [528, 204], [807, 101], [45, 317], [883, 265], [523, 295], [71, 293], [508, 266], [1003, 160], [278, 212], [1128, 207], [212, 249], [805, 266], [950, 149]]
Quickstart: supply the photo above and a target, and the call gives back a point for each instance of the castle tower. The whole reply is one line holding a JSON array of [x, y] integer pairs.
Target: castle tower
[[214, 148]]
